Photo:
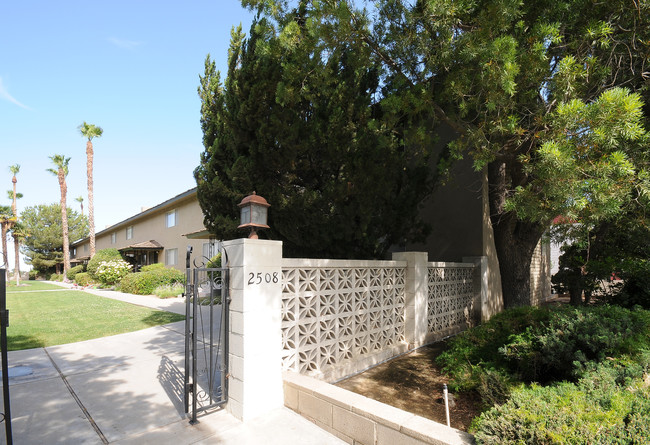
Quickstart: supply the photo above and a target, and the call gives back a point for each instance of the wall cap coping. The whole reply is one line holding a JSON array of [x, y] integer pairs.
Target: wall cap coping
[[450, 264], [323, 263]]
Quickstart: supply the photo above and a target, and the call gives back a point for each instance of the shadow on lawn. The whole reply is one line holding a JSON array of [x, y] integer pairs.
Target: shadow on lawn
[[158, 318], [19, 342]]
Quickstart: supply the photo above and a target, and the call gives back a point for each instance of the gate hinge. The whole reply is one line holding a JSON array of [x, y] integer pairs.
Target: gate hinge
[[190, 388]]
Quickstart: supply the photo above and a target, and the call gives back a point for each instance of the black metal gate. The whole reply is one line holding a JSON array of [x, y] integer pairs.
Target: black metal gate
[[206, 331]]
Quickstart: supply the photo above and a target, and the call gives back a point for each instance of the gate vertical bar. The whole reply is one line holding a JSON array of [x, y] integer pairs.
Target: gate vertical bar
[[188, 294], [225, 329], [211, 289], [195, 303], [4, 319]]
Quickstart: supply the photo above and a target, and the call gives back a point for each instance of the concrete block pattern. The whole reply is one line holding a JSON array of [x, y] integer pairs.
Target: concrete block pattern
[[354, 425]]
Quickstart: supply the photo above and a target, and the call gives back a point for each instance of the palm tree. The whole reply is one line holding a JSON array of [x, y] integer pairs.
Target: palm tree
[[61, 171], [90, 131], [80, 200], [14, 170], [19, 233], [6, 220]]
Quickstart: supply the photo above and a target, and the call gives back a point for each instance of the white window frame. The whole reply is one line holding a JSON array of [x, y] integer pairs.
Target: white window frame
[[129, 232], [171, 257], [114, 238], [173, 215]]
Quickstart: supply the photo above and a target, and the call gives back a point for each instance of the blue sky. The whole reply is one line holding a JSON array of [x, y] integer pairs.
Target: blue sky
[[130, 67]]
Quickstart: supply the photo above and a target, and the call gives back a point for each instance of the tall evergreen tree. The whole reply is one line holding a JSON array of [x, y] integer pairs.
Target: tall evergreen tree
[[299, 124], [517, 81], [41, 227]]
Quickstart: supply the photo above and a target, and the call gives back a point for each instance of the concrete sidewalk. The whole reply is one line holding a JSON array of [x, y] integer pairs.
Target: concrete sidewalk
[[128, 389]]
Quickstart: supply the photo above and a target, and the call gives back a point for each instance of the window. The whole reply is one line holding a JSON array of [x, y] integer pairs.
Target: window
[[171, 257], [129, 232], [113, 238], [74, 252], [171, 218], [211, 249]]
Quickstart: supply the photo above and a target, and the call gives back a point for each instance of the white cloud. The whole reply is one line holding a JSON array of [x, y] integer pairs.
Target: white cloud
[[125, 44], [4, 94]]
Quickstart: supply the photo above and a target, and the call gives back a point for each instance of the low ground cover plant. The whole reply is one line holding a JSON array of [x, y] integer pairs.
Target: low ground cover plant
[[169, 290], [557, 375], [83, 279], [150, 278]]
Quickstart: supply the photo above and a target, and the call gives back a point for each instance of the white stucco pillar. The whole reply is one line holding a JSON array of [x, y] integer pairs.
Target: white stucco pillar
[[255, 337], [415, 319]]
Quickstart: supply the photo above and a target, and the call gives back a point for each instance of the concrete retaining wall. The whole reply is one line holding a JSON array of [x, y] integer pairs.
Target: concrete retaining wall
[[359, 420]]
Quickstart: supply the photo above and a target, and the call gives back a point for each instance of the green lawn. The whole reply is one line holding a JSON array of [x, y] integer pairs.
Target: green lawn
[[42, 318], [30, 286]]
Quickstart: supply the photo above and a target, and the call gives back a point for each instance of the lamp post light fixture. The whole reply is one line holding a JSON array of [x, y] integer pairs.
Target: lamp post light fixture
[[254, 214]]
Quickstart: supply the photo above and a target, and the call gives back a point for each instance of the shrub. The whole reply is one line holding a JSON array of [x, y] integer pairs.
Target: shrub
[[74, 271], [598, 409], [83, 279], [544, 344], [33, 274], [99, 257], [215, 262], [111, 272], [169, 290], [476, 350], [562, 348], [144, 283], [56, 277], [155, 266]]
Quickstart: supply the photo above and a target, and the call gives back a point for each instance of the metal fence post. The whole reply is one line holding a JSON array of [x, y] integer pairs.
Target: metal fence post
[[4, 322]]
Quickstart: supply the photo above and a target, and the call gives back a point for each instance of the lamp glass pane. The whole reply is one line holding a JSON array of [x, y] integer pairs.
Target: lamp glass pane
[[245, 215], [259, 215]]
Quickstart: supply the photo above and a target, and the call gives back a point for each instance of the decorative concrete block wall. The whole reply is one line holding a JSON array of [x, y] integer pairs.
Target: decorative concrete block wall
[[339, 317], [332, 318]]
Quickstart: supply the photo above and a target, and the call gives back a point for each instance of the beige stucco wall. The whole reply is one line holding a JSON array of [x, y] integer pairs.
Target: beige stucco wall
[[495, 294], [151, 225], [540, 273]]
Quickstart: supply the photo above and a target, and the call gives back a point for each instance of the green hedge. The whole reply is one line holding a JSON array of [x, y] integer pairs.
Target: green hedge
[[144, 283], [74, 271]]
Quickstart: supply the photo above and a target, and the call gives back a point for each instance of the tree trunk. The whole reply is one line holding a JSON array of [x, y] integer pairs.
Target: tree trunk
[[64, 222], [515, 240], [575, 296], [17, 259], [91, 205], [5, 256]]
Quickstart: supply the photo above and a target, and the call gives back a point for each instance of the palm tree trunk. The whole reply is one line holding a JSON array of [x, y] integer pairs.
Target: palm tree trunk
[[5, 257], [64, 222], [91, 206], [17, 259]]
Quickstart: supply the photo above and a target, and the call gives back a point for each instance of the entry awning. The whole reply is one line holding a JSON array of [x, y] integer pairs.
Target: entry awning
[[199, 234], [145, 245]]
